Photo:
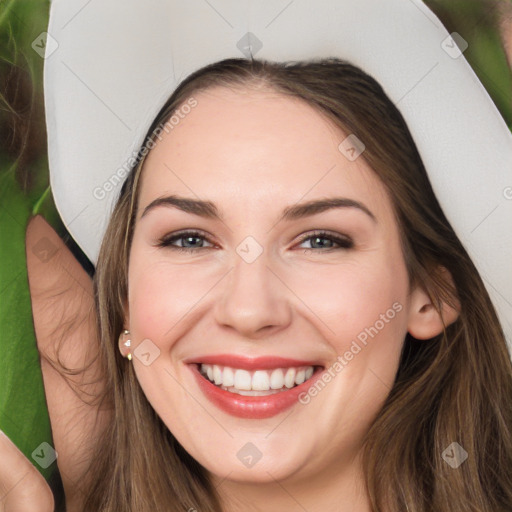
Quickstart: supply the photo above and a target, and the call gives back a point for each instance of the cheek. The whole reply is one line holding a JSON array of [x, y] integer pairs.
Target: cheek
[[348, 298], [360, 312], [147, 296], [161, 295]]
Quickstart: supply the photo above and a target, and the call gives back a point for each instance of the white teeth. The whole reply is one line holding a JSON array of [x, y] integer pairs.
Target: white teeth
[[289, 378], [300, 377], [217, 375], [242, 379], [277, 379], [259, 382], [251, 393], [228, 377]]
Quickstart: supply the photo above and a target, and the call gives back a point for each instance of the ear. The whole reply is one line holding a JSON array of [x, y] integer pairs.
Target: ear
[[425, 321]]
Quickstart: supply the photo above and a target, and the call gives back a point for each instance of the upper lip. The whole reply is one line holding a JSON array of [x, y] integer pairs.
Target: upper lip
[[251, 363]]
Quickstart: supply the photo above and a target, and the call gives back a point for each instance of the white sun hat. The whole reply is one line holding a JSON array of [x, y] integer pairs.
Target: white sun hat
[[111, 64]]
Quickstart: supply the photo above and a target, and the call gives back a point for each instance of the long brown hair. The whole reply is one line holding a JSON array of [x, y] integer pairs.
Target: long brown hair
[[455, 387]]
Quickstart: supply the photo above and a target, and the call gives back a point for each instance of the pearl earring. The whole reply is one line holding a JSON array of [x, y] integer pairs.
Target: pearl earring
[[127, 343]]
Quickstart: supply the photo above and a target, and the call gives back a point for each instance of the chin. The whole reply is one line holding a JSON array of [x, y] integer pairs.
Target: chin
[[265, 470]]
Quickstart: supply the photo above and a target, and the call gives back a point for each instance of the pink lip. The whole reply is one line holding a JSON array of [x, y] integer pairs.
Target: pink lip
[[251, 407], [251, 364]]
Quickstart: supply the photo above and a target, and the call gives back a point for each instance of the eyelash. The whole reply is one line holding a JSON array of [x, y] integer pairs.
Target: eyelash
[[344, 243]]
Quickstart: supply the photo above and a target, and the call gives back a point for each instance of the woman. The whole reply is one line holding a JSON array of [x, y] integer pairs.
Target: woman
[[341, 349], [417, 406]]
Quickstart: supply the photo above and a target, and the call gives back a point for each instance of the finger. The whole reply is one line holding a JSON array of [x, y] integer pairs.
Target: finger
[[22, 487]]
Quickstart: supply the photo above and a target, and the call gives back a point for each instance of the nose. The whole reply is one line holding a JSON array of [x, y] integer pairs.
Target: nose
[[254, 301]]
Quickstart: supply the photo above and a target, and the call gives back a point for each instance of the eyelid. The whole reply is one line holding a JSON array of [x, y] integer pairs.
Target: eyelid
[[166, 240], [343, 241]]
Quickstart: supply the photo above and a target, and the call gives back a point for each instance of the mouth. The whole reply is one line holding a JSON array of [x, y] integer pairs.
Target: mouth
[[254, 392], [256, 383]]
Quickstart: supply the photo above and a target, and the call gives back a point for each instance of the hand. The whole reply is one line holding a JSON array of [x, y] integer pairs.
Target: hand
[[22, 487]]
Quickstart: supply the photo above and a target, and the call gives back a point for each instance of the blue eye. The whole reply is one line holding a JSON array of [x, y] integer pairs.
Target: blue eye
[[188, 237], [184, 235], [343, 242]]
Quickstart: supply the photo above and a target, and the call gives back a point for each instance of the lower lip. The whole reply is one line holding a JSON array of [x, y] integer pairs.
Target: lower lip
[[252, 407]]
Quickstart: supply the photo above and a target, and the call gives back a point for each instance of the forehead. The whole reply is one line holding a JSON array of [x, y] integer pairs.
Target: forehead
[[255, 143]]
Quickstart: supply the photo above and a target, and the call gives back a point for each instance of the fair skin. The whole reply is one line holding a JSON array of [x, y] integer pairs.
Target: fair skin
[[270, 152], [61, 290], [282, 303]]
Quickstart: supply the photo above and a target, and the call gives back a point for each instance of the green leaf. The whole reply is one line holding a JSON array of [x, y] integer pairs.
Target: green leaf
[[23, 410]]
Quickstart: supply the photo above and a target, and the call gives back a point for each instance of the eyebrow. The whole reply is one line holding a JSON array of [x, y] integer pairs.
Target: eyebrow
[[209, 210]]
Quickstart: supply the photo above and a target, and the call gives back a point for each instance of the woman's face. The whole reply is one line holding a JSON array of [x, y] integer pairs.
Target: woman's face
[[254, 284]]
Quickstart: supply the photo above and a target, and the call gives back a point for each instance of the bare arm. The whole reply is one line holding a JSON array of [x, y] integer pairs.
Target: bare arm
[[64, 321]]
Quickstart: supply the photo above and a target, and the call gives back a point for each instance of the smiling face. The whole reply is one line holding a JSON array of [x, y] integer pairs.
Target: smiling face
[[254, 283]]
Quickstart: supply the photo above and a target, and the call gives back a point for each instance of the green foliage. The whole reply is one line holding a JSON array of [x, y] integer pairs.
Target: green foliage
[[23, 412]]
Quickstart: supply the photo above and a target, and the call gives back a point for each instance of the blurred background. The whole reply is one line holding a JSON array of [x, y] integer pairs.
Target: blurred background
[[482, 23]]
